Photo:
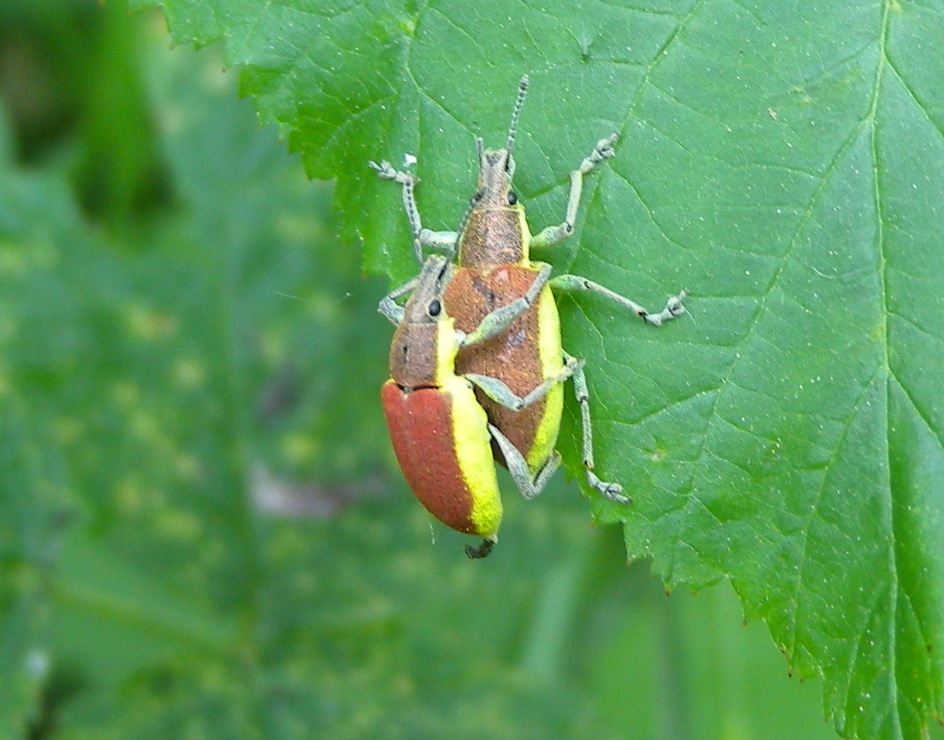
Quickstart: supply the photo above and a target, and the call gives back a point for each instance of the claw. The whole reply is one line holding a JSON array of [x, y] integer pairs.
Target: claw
[[674, 305], [482, 551], [604, 148], [386, 171], [610, 491]]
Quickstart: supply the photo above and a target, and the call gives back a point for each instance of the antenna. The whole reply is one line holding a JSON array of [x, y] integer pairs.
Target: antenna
[[519, 101]]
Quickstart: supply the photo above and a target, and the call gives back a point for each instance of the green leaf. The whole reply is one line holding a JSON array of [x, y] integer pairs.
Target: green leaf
[[31, 517]]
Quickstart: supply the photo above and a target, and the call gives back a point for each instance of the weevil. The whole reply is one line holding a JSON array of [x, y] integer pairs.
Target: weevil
[[440, 433], [493, 253]]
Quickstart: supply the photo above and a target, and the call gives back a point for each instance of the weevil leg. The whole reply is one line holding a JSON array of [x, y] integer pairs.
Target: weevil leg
[[518, 466], [612, 491], [483, 550], [440, 240], [673, 307], [498, 320], [499, 392], [553, 235]]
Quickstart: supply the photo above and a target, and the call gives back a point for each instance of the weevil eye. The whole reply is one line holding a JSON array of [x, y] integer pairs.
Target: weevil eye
[[477, 197], [435, 308], [512, 198]]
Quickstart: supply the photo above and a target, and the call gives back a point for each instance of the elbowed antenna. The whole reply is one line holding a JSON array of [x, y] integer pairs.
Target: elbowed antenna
[[519, 101]]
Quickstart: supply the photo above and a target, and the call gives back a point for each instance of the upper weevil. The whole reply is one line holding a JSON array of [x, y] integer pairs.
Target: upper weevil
[[493, 253]]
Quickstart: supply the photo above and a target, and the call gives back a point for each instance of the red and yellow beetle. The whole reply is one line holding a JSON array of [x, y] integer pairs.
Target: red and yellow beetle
[[494, 269], [440, 433]]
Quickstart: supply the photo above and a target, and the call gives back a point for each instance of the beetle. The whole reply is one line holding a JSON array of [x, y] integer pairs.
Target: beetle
[[492, 248], [439, 431]]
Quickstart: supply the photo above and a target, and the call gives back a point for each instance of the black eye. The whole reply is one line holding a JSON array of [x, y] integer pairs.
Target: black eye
[[512, 198], [477, 197], [435, 307]]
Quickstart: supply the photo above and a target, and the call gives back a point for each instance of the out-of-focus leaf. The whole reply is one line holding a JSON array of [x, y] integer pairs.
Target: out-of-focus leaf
[[31, 517]]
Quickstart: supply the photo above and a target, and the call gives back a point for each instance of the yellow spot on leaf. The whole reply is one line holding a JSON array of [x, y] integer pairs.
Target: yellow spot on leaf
[[129, 497], [125, 393], [7, 328], [144, 426], [188, 373], [149, 325], [68, 430], [179, 524], [187, 467], [298, 449], [15, 262]]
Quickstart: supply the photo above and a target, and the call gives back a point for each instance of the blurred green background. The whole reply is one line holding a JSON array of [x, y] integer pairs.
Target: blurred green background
[[203, 532]]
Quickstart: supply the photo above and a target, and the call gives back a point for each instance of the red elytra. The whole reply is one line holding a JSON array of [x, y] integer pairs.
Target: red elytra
[[420, 422]]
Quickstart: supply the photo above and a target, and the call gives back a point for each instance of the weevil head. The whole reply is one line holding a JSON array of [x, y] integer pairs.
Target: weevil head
[[496, 169], [425, 304], [494, 231], [497, 166], [424, 347]]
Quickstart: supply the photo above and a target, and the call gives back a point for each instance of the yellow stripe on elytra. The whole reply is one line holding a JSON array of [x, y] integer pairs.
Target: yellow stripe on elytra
[[474, 455], [446, 350], [470, 434], [552, 362], [525, 238]]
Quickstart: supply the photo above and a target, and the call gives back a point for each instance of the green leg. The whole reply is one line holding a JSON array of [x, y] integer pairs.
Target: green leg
[[441, 240], [673, 307], [499, 319], [499, 392], [388, 305], [553, 235], [518, 466], [612, 491]]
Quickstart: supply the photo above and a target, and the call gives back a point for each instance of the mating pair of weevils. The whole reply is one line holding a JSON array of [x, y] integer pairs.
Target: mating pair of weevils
[[476, 362]]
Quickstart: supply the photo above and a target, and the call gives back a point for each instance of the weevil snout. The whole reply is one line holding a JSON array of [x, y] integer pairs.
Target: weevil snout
[[496, 168]]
